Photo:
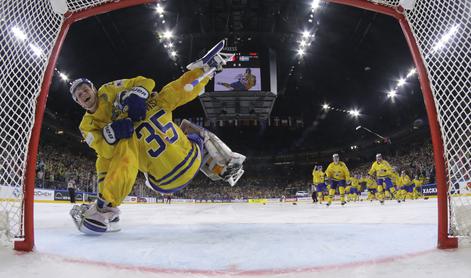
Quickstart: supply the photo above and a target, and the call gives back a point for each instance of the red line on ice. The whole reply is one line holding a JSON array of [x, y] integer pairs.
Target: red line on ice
[[235, 271]]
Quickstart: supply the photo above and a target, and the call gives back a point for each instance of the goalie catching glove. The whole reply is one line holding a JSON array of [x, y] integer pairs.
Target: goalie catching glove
[[214, 58], [93, 220]]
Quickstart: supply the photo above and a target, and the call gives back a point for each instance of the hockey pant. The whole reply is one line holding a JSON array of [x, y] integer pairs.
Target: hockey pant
[[116, 176]]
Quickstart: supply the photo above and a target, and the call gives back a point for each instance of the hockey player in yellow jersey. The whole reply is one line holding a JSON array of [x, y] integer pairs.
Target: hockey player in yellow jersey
[[383, 171], [338, 174], [318, 179], [417, 192], [353, 189], [406, 186], [372, 187], [392, 192], [131, 129]]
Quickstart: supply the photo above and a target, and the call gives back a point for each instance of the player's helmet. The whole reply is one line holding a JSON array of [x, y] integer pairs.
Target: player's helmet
[[77, 82], [335, 157], [379, 156]]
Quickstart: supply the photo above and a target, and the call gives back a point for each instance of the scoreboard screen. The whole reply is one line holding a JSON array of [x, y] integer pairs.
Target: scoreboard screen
[[242, 73]]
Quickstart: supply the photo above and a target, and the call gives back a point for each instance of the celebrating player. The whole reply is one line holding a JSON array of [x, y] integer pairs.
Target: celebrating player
[[406, 188], [354, 189], [318, 179], [417, 192], [337, 173], [383, 172], [131, 129]]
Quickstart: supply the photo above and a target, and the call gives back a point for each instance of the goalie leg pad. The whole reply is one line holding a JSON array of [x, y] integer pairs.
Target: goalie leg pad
[[92, 220], [219, 161]]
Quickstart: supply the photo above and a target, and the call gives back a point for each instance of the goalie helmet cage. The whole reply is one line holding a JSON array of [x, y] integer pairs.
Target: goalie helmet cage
[[33, 31]]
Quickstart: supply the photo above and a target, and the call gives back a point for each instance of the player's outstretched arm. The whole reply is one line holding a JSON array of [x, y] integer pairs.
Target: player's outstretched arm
[[174, 95]]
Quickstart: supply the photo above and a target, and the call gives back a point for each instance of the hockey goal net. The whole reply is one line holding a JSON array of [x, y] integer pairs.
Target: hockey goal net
[[32, 31]]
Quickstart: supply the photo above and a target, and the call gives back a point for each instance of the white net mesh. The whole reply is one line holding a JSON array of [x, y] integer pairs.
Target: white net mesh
[[29, 28], [78, 5], [391, 3], [442, 29]]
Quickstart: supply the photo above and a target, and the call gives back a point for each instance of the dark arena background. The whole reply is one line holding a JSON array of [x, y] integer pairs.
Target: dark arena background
[[354, 78]]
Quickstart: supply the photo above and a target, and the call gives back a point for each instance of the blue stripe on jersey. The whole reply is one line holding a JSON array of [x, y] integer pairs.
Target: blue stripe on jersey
[[158, 189], [174, 170], [184, 170]]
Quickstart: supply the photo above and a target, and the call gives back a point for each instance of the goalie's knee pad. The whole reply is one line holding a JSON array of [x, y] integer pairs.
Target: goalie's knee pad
[[219, 161]]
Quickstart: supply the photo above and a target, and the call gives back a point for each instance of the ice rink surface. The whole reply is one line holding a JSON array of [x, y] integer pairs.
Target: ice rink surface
[[244, 240]]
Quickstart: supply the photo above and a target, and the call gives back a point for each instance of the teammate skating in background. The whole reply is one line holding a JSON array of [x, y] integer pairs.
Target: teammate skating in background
[[383, 171], [318, 179], [392, 192], [131, 129], [337, 173], [417, 192], [406, 187], [354, 189], [372, 188]]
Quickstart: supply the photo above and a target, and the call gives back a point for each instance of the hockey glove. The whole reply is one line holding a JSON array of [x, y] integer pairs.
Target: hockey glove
[[136, 99], [118, 130], [214, 58]]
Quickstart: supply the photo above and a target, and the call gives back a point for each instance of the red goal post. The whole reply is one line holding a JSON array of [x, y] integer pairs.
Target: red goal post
[[28, 67]]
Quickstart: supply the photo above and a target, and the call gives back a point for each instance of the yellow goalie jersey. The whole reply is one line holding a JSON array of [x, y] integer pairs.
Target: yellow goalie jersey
[[158, 147]]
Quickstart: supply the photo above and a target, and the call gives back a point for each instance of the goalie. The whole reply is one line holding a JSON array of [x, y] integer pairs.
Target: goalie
[[131, 129]]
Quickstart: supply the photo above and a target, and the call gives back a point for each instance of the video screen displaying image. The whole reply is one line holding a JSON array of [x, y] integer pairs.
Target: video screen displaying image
[[242, 73], [238, 79]]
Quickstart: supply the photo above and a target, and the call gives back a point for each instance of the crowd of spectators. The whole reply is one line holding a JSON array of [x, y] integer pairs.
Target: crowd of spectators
[[56, 166], [416, 161]]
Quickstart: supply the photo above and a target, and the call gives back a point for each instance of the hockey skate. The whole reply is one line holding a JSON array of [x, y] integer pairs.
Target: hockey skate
[[219, 161], [214, 58], [90, 219]]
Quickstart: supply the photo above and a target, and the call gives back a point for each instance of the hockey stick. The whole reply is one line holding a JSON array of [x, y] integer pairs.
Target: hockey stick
[[385, 139], [189, 87]]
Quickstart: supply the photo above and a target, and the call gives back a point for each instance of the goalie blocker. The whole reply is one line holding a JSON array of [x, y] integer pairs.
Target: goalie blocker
[[219, 161]]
